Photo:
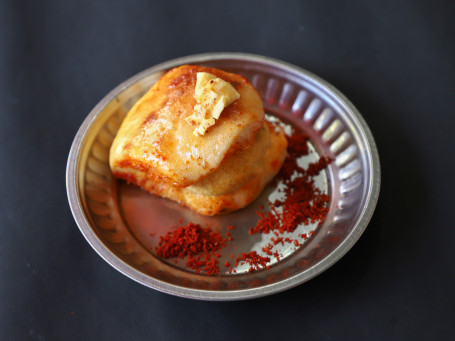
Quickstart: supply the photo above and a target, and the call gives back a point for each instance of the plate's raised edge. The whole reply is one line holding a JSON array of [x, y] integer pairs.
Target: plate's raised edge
[[213, 295]]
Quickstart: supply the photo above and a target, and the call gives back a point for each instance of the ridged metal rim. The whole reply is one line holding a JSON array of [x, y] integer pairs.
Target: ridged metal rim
[[84, 226]]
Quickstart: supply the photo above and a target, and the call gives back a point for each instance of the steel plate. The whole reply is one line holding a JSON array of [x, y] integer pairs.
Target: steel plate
[[123, 223]]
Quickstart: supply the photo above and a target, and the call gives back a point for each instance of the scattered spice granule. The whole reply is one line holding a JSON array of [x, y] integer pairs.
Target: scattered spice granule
[[197, 243], [255, 261], [266, 222], [277, 255], [228, 235], [268, 249], [302, 204], [279, 240], [298, 144]]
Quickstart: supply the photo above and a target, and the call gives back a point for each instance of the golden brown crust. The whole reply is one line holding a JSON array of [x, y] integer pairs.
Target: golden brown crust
[[155, 139], [236, 169], [207, 204]]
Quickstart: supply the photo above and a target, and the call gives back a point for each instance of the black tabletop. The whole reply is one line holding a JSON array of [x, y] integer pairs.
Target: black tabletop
[[393, 59]]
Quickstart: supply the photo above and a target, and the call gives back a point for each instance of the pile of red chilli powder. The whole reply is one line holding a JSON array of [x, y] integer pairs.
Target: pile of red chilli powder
[[300, 203]]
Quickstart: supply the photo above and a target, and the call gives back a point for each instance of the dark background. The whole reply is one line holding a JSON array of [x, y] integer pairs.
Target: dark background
[[395, 60]]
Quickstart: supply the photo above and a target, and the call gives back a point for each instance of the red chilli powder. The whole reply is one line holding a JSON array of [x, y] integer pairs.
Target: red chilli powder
[[199, 244], [303, 202], [252, 258]]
